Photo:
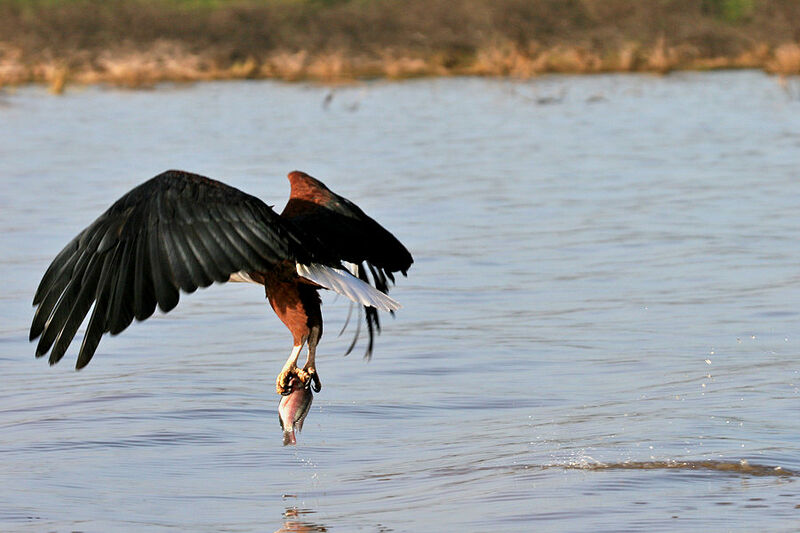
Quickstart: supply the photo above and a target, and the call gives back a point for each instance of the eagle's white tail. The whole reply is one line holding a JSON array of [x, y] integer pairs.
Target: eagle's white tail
[[347, 285]]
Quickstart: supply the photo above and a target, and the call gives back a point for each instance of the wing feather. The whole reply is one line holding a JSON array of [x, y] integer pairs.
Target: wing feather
[[259, 247], [268, 248], [97, 323], [177, 261], [120, 310], [77, 312], [243, 252], [175, 232], [221, 262], [61, 309], [144, 296], [64, 261], [54, 282], [164, 285], [46, 305], [204, 260], [185, 260]]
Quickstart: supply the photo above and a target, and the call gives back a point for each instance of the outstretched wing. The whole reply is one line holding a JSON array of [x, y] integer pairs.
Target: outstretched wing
[[351, 235], [177, 231]]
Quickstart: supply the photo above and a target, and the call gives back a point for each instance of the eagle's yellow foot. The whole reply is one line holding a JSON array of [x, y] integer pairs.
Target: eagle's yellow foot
[[307, 376], [283, 384]]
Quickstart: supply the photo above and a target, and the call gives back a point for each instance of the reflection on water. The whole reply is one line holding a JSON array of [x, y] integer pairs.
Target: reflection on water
[[600, 332], [295, 522]]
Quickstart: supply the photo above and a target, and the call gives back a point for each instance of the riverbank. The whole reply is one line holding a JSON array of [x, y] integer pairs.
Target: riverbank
[[142, 42]]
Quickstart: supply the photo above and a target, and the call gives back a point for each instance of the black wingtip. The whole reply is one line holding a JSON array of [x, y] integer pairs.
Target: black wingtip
[[57, 353], [84, 357], [41, 349]]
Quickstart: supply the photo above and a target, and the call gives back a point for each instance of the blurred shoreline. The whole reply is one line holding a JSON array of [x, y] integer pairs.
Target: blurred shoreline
[[143, 42]]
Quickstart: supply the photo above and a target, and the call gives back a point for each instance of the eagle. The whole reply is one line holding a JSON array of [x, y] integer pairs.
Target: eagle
[[180, 231]]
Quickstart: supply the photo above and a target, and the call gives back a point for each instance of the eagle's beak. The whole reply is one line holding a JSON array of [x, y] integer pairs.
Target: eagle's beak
[[293, 409]]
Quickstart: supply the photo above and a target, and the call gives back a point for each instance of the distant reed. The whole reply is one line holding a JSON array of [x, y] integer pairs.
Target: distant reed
[[138, 43]]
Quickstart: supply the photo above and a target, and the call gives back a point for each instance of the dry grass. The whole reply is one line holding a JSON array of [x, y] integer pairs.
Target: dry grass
[[138, 43], [785, 60]]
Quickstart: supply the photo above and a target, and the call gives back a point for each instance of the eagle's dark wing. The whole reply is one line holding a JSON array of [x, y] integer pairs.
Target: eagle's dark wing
[[350, 234], [177, 231]]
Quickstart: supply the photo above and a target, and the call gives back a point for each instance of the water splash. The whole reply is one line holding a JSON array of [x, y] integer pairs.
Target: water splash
[[734, 467]]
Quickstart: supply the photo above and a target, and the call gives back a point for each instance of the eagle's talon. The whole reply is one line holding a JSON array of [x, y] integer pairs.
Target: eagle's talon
[[315, 382], [303, 376], [312, 377], [283, 384]]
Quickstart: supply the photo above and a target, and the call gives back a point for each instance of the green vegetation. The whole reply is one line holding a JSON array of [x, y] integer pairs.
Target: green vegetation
[[140, 42], [732, 11]]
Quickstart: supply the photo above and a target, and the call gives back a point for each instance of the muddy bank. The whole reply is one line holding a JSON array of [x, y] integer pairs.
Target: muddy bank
[[142, 42]]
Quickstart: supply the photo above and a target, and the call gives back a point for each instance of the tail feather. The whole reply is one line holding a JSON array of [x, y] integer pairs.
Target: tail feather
[[356, 336]]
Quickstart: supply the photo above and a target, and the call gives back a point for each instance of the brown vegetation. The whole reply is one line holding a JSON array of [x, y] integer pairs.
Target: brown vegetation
[[141, 42]]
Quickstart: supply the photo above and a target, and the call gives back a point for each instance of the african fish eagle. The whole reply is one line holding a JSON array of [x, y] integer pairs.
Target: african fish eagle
[[179, 231]]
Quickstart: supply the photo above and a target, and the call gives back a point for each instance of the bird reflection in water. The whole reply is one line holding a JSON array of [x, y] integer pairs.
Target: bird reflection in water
[[294, 524]]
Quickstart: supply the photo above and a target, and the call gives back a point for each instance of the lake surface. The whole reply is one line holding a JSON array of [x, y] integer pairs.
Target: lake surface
[[600, 331]]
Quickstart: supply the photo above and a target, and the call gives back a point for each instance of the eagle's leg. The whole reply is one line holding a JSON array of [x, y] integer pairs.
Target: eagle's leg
[[297, 304], [310, 368], [289, 370]]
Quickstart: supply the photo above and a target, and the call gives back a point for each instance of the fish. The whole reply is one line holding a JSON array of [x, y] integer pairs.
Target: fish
[[293, 409]]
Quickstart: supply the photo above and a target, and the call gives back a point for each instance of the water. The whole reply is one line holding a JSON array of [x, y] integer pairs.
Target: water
[[600, 331]]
